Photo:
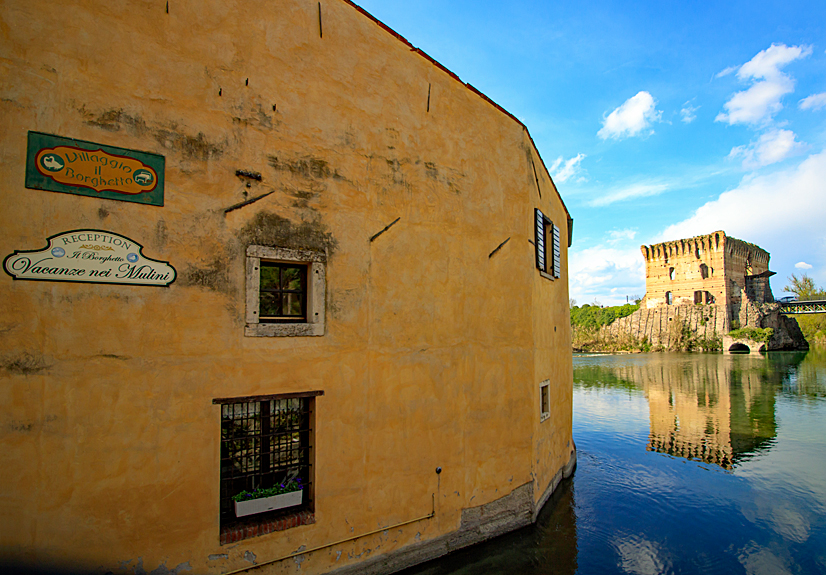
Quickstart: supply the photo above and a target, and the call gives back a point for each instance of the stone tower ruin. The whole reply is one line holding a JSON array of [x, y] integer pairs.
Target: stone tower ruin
[[709, 269], [708, 285]]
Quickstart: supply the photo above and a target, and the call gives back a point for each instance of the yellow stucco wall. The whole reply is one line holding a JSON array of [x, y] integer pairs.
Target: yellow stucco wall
[[433, 352]]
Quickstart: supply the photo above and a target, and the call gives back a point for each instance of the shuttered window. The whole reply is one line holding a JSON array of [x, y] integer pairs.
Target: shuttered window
[[546, 236], [556, 250], [540, 241]]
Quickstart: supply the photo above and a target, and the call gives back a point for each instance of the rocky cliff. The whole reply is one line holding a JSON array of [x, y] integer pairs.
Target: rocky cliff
[[698, 327]]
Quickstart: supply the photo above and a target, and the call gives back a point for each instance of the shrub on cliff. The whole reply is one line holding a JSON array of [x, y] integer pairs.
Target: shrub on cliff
[[753, 333], [594, 316]]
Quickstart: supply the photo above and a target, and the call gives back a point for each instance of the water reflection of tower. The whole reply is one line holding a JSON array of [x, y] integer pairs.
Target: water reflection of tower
[[712, 408]]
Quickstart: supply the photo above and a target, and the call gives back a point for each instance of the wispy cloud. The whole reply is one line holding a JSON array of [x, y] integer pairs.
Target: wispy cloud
[[617, 236], [771, 147], [759, 103], [687, 114], [563, 170], [633, 117], [632, 191], [803, 266], [726, 72], [813, 102]]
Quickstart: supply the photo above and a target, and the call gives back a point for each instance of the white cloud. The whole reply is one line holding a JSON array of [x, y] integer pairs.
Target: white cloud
[[803, 266], [771, 147], [813, 102], [725, 72], [632, 117], [767, 64], [760, 102], [688, 113], [562, 170], [781, 208], [636, 190], [602, 269], [617, 236]]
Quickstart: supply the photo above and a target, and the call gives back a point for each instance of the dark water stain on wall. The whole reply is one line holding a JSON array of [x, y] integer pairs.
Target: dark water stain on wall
[[254, 115], [269, 229], [161, 233], [24, 363], [307, 166], [214, 276], [170, 136]]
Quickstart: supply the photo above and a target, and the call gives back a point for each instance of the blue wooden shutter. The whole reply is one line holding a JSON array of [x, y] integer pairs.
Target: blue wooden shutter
[[539, 236], [556, 251]]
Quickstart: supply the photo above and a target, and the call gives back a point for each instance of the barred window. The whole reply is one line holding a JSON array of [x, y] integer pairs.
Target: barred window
[[266, 441]]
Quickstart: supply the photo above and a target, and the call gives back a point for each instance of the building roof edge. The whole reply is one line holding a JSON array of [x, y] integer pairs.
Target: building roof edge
[[424, 55]]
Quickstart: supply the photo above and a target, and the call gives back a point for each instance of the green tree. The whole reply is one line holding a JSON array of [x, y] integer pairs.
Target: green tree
[[804, 287], [813, 326]]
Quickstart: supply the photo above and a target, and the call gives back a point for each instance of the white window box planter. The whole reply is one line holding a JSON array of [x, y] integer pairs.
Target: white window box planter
[[243, 508]]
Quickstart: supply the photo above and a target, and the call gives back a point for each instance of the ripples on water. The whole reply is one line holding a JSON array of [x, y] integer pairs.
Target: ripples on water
[[688, 463]]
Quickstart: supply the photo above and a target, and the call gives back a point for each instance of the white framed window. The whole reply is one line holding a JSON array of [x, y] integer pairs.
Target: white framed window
[[544, 400], [546, 236], [286, 292]]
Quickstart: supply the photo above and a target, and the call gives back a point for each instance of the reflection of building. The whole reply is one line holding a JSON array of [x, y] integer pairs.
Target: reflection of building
[[710, 408], [348, 309], [714, 413]]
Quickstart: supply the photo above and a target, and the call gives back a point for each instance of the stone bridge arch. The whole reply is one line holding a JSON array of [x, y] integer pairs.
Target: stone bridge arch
[[732, 345]]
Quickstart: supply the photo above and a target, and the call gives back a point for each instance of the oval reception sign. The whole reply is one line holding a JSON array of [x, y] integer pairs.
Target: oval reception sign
[[90, 256]]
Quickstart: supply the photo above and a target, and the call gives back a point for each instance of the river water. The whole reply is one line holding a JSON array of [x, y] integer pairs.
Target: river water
[[688, 463]]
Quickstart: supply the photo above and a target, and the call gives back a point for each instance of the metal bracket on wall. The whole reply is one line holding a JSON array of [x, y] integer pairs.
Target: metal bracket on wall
[[387, 227], [246, 202], [499, 247]]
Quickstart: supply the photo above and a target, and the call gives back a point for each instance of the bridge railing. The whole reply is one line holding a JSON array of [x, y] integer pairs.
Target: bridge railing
[[801, 307]]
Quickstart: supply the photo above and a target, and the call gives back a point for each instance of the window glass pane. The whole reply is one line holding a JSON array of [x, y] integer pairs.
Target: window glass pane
[[291, 279], [269, 304], [270, 277], [292, 304]]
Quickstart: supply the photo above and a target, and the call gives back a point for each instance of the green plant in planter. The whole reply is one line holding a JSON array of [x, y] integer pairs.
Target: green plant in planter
[[285, 487]]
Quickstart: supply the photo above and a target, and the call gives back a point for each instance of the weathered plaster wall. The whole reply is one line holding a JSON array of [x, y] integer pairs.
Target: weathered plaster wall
[[434, 351]]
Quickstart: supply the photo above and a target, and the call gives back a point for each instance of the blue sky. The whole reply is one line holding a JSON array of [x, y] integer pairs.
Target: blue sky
[[658, 120]]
